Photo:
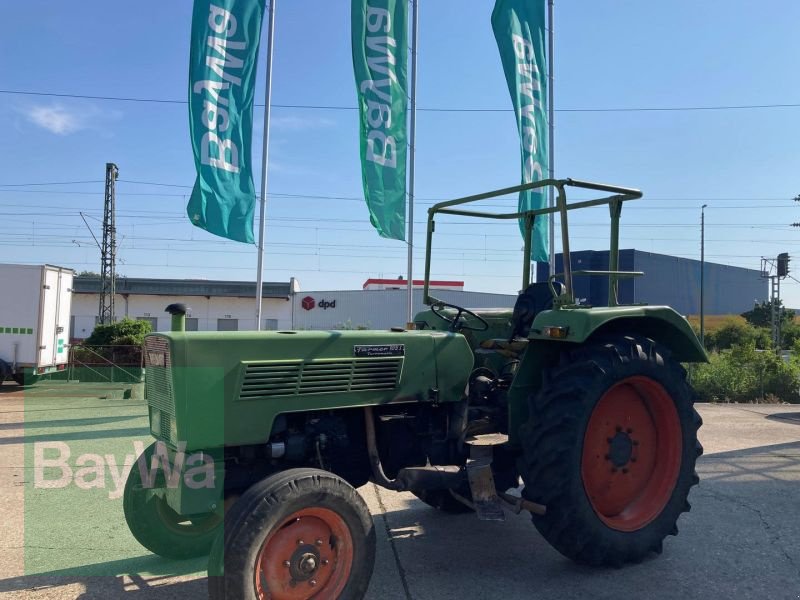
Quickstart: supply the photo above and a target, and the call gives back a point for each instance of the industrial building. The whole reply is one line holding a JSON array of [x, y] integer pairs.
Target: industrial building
[[229, 306], [378, 309], [667, 280], [382, 303], [215, 305]]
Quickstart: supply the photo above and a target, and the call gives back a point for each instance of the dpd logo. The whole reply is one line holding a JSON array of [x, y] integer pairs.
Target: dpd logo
[[309, 303]]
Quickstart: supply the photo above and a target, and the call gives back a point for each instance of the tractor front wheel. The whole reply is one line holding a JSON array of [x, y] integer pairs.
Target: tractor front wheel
[[298, 534], [610, 449], [159, 528]]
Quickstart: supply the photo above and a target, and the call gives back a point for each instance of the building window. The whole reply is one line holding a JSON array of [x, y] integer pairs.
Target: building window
[[270, 324], [227, 324], [191, 323], [152, 320]]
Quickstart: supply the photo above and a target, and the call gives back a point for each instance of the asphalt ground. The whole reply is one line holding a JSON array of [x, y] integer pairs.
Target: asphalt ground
[[741, 539]]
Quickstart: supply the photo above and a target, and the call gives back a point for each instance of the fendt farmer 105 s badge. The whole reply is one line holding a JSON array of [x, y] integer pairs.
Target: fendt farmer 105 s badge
[[263, 436]]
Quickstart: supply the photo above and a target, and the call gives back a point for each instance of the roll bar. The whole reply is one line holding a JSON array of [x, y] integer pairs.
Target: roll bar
[[614, 201]]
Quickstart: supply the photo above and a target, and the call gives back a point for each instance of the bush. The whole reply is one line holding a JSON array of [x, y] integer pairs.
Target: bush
[[790, 335], [126, 332], [746, 374], [737, 332]]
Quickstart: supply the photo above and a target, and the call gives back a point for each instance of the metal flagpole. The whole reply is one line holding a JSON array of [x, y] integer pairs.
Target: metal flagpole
[[264, 166], [412, 151], [551, 149]]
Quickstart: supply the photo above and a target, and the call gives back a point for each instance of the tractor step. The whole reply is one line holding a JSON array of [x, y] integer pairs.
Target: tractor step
[[487, 439], [484, 494], [488, 505]]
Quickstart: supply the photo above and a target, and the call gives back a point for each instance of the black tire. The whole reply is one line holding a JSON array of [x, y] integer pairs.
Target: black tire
[[19, 379], [159, 528], [443, 500], [554, 455], [266, 510]]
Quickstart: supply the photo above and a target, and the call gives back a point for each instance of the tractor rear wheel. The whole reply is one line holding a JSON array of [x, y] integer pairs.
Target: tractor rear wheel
[[298, 534], [610, 449]]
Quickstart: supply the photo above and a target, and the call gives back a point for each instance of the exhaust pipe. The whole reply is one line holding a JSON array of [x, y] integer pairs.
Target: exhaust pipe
[[178, 312]]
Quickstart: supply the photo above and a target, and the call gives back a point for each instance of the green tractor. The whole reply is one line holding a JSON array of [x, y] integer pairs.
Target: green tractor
[[263, 437]]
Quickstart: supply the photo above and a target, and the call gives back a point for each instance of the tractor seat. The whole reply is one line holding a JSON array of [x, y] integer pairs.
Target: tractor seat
[[536, 298]]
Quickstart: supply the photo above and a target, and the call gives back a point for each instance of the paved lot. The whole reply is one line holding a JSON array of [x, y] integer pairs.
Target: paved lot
[[741, 540]]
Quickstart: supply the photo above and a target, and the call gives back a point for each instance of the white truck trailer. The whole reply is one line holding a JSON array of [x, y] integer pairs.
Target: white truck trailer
[[35, 308]]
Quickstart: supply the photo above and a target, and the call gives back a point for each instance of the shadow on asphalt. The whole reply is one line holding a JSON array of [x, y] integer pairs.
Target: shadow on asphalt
[[101, 434], [97, 580], [791, 417], [777, 450], [67, 422], [138, 587], [106, 588]]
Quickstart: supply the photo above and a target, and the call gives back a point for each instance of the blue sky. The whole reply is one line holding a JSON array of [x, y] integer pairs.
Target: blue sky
[[609, 54]]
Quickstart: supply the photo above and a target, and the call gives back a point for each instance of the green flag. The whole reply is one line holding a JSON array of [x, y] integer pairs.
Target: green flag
[[380, 54], [222, 75], [519, 28]]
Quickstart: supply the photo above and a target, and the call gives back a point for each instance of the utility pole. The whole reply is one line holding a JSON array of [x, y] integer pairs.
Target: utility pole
[[702, 273], [551, 115], [264, 165], [108, 250], [775, 270], [412, 151]]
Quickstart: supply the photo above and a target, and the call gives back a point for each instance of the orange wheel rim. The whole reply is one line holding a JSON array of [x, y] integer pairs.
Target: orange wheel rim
[[309, 556], [632, 453]]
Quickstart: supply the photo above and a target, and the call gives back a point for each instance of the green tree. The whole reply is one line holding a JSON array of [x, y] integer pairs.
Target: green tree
[[761, 314], [126, 332]]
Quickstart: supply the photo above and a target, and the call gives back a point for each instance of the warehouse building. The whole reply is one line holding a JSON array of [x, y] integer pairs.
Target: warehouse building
[[228, 305], [215, 305], [382, 303], [667, 280], [379, 308]]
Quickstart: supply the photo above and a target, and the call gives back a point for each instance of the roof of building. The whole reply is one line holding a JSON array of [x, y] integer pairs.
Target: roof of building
[[183, 287], [436, 282]]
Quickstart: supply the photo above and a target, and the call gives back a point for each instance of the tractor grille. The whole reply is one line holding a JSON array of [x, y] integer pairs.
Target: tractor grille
[[166, 421], [158, 376], [288, 378]]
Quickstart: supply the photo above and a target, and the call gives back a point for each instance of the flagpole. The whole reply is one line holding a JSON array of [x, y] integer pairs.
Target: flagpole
[[551, 155], [264, 166], [412, 152]]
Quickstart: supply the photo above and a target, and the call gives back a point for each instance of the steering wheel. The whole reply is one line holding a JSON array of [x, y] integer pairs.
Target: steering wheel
[[456, 323]]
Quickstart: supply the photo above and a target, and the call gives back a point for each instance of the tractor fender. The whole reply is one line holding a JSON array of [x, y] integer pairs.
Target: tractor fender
[[659, 323]]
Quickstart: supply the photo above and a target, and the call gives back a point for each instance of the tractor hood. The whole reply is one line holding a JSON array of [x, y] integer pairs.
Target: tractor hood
[[210, 389]]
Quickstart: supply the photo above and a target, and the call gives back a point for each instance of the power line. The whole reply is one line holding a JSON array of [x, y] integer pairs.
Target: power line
[[50, 183], [623, 109], [421, 202], [310, 196]]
